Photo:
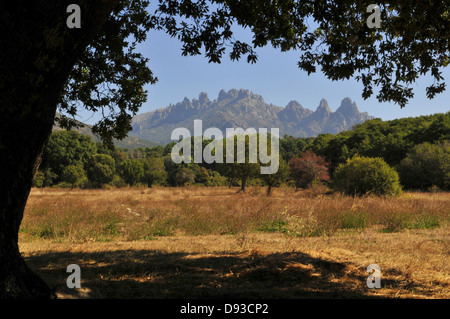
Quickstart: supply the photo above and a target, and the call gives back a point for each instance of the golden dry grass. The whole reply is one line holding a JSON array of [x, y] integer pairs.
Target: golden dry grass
[[214, 242]]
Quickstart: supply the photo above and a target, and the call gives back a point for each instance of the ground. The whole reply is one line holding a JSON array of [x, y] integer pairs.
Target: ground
[[130, 250]]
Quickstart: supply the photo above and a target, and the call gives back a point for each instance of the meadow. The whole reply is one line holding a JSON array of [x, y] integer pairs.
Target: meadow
[[202, 242]]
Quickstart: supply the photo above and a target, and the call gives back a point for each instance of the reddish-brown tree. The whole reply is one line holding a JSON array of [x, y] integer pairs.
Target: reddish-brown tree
[[308, 169]]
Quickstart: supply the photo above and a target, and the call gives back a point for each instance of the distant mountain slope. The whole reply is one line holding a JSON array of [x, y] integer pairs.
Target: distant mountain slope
[[130, 142], [242, 108]]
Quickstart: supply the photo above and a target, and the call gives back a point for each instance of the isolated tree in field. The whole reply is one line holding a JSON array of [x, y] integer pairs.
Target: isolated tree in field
[[308, 169], [244, 172], [46, 66], [238, 163], [100, 169], [274, 180]]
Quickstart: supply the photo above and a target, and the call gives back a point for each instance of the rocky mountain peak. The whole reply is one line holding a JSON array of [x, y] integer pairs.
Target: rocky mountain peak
[[234, 94], [245, 109], [323, 107], [203, 98], [230, 95], [348, 107], [293, 105], [242, 94]]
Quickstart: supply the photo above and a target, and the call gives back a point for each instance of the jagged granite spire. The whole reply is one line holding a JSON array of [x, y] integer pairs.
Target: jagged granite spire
[[348, 107], [323, 107]]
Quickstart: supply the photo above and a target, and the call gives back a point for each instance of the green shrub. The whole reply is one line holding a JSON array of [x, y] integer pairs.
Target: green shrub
[[364, 175], [216, 181]]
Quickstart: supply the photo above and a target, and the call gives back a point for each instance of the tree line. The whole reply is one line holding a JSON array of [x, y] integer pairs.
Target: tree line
[[415, 149]]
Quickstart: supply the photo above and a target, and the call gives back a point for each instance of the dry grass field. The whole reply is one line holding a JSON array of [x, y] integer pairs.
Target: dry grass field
[[202, 242]]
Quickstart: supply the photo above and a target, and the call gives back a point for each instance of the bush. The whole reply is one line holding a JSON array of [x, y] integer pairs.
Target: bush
[[216, 180], [364, 175]]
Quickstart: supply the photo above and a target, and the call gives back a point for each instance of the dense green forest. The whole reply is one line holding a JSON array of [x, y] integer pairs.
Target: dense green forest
[[418, 149]]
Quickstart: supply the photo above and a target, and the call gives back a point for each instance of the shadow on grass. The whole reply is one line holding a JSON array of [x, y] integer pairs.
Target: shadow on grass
[[153, 274]]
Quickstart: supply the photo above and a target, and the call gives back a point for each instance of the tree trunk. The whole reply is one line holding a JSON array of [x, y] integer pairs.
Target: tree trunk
[[38, 53], [243, 184], [230, 182], [269, 189]]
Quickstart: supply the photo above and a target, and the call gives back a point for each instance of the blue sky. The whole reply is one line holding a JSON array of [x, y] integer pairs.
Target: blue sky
[[275, 76]]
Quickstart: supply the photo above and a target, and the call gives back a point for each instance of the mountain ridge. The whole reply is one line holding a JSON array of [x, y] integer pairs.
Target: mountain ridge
[[245, 109]]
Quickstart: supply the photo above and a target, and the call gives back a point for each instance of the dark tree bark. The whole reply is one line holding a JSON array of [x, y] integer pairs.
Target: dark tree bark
[[269, 189], [243, 184], [38, 53]]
